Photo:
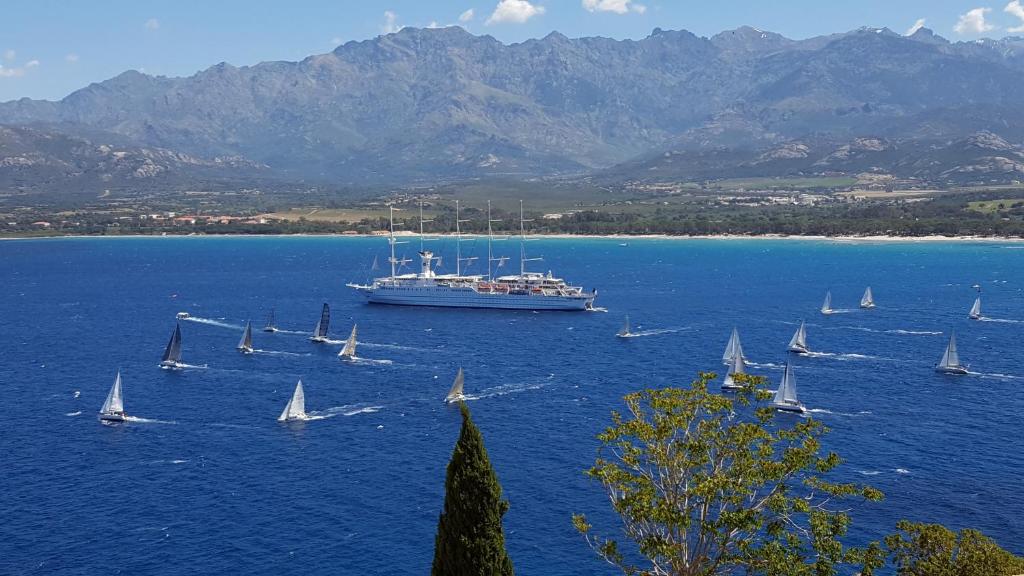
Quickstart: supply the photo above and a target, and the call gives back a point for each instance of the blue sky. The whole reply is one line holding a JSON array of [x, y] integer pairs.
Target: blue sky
[[49, 48]]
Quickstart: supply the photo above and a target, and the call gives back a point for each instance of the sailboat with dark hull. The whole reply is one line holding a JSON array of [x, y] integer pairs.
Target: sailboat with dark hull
[[320, 331], [172, 354], [785, 399], [798, 343], [245, 344], [113, 407], [950, 362], [625, 331]]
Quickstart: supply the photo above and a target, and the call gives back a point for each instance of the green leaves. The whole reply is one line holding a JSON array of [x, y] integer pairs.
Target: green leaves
[[706, 484], [933, 550]]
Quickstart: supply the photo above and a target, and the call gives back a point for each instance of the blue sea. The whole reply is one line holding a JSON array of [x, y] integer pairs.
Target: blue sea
[[204, 480]]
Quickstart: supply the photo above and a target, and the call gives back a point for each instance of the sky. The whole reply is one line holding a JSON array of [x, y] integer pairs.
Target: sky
[[49, 48]]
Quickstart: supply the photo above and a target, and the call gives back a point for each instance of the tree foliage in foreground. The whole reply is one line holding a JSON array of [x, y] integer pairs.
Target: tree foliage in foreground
[[470, 540], [703, 490], [933, 550]]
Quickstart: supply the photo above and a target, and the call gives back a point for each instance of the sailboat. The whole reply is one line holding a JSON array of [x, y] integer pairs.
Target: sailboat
[[798, 343], [950, 362], [733, 348], [624, 332], [270, 326], [348, 352], [785, 397], [975, 313], [826, 306], [295, 411], [245, 344], [738, 367], [113, 407], [868, 299], [172, 354], [456, 394], [320, 332]]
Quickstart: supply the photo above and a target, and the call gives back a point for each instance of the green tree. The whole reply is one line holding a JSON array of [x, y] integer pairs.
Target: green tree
[[707, 485], [470, 541], [933, 550]]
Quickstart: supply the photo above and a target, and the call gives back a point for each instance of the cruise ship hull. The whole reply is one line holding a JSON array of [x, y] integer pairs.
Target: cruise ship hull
[[446, 297]]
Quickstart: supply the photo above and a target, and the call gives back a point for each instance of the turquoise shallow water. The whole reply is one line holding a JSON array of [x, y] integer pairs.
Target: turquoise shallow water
[[210, 483]]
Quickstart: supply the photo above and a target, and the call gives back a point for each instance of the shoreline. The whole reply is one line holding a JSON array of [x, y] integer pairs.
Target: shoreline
[[566, 236]]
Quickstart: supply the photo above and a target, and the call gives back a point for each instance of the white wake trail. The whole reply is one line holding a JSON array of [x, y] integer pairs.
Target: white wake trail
[[503, 390], [212, 322], [141, 420], [346, 410]]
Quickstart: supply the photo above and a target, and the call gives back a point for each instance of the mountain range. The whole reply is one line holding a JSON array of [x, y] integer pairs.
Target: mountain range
[[428, 105]]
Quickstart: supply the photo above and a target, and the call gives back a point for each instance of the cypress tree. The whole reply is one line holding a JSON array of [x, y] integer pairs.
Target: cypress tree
[[470, 541]]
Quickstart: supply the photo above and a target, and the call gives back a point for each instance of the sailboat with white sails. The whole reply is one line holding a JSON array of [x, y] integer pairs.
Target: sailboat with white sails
[[172, 354], [867, 301], [270, 326], [320, 331], [295, 410], [975, 313], [950, 362], [245, 344], [785, 397], [113, 408], [456, 393], [625, 331], [798, 343], [348, 351], [738, 367], [826, 306], [733, 348]]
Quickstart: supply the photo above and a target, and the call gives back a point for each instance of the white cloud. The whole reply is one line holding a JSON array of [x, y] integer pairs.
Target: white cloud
[[10, 55], [918, 24], [11, 72], [72, 57], [1015, 9], [466, 16], [616, 6], [152, 24], [336, 41], [514, 11], [31, 63], [390, 25], [434, 24], [973, 22]]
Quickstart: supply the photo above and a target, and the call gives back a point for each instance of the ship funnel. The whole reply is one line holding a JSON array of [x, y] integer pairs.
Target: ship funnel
[[426, 257]]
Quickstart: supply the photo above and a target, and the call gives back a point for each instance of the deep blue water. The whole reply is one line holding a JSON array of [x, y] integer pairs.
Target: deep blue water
[[211, 483]]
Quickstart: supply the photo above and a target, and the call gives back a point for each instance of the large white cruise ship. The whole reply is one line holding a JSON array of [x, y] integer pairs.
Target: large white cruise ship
[[523, 291]]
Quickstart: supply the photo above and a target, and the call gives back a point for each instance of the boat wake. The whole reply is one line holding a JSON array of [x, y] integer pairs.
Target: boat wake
[[994, 375], [901, 471], [168, 461], [914, 332], [295, 332], [839, 356], [79, 413], [368, 361], [654, 332], [211, 322], [1001, 320], [183, 366], [764, 365], [280, 353], [503, 390], [140, 420], [346, 410], [597, 309], [390, 346], [831, 413], [869, 472]]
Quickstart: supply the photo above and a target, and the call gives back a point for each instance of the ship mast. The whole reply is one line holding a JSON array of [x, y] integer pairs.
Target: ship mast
[[391, 239], [458, 242], [522, 242], [490, 238]]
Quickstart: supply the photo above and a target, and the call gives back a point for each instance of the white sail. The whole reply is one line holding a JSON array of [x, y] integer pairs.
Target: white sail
[[456, 394], [625, 330], [349, 350], [296, 408], [115, 402], [868, 299], [798, 342], [245, 344], [733, 348], [976, 309], [738, 367], [270, 325], [826, 306], [951, 357], [786, 394]]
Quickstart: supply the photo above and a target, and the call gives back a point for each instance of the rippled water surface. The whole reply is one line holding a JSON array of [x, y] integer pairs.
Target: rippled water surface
[[204, 480]]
